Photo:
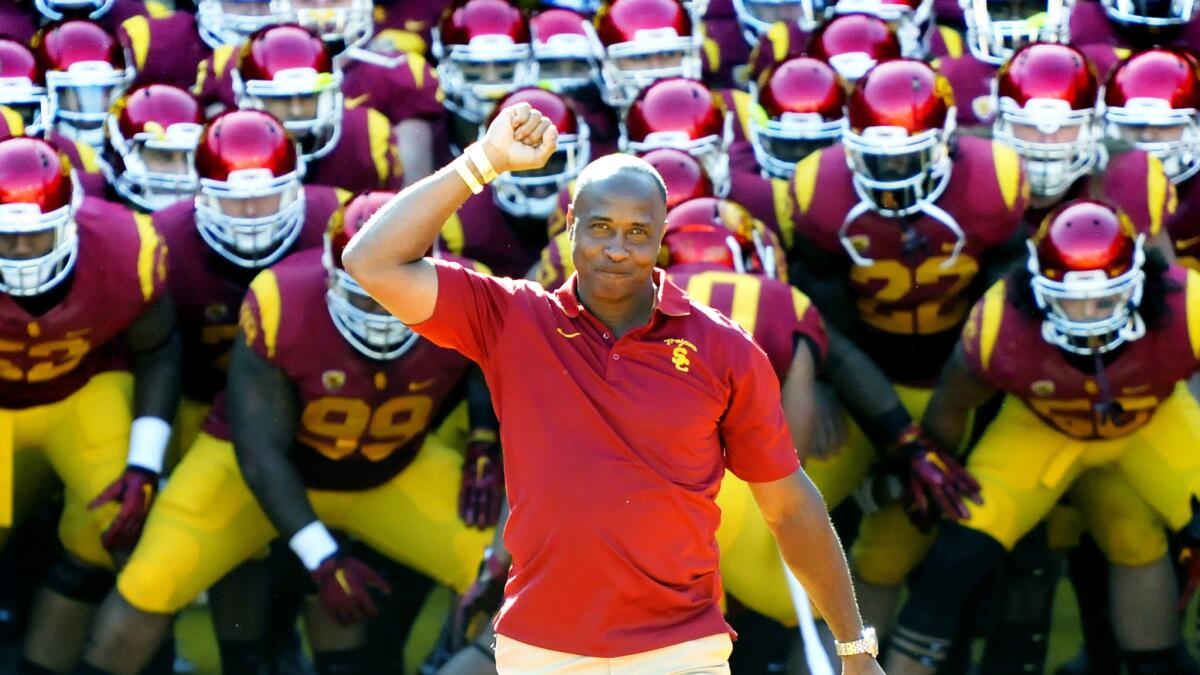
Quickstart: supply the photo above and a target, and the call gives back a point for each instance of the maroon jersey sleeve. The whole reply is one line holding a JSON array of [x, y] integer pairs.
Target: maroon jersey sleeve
[[971, 80], [1135, 182], [402, 86], [365, 157], [214, 83], [166, 49], [982, 328]]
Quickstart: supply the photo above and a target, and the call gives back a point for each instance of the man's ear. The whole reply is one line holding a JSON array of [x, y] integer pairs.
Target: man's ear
[[571, 221]]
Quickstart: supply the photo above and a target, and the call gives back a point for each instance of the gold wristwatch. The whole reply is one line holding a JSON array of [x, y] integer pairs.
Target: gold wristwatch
[[866, 644]]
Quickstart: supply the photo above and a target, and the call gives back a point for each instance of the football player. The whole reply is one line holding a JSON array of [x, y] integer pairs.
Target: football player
[[483, 52], [1151, 100], [323, 428], [89, 377], [290, 72], [908, 219], [27, 107], [1047, 98], [79, 96], [150, 143], [567, 60], [1067, 340], [250, 211], [798, 109], [348, 143], [685, 115]]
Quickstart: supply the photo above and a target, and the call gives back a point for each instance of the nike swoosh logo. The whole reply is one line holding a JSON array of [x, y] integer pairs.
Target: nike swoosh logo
[[357, 101], [418, 386], [567, 335]]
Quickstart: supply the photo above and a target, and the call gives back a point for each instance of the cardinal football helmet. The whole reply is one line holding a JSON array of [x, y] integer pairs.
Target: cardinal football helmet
[[1086, 264], [1151, 99], [1047, 113], [566, 54], [757, 16], [683, 114], [797, 109], [86, 70], [683, 175], [23, 85], [483, 53], [150, 146], [250, 206], [912, 19], [229, 22], [997, 28], [1150, 13], [853, 43], [38, 197], [645, 41], [722, 232], [366, 325]]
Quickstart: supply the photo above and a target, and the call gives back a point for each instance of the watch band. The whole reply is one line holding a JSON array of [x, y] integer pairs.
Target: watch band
[[867, 644]]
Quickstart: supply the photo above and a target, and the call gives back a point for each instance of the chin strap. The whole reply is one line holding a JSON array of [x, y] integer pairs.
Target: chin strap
[[1109, 409]]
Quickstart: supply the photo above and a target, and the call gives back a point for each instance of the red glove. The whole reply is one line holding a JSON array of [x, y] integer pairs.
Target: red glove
[[482, 491], [484, 596], [936, 481], [344, 585], [134, 490]]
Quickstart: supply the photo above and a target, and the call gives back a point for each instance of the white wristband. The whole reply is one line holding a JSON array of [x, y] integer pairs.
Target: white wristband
[[313, 544], [148, 438]]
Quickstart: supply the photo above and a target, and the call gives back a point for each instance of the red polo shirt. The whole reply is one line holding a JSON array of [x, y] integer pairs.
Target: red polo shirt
[[614, 451]]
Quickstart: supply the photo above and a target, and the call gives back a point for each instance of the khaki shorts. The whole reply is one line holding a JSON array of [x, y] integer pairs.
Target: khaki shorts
[[705, 656]]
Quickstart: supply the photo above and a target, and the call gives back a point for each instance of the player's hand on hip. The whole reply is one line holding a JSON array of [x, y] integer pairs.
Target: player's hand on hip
[[519, 139], [344, 586], [482, 491], [133, 493]]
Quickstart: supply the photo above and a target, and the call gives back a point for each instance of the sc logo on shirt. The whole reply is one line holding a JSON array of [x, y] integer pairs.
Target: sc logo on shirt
[[679, 355]]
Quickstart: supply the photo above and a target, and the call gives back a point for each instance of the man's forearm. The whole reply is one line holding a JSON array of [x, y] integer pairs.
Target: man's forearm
[[813, 553], [403, 229]]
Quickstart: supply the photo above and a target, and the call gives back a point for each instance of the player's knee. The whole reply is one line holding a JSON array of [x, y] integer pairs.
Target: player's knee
[[78, 581], [960, 560], [1131, 541]]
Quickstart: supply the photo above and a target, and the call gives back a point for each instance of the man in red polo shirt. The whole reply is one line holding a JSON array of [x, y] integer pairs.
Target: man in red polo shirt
[[621, 404]]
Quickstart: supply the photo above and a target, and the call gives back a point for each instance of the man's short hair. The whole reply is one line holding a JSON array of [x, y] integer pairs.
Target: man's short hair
[[610, 165]]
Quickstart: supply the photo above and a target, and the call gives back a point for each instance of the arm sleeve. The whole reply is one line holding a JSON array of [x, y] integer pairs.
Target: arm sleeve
[[754, 432], [470, 310]]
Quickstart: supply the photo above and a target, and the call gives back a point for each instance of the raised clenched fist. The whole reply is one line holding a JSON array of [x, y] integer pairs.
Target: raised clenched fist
[[519, 139]]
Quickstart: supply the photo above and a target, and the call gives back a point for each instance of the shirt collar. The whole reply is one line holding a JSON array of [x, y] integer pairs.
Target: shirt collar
[[672, 300]]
